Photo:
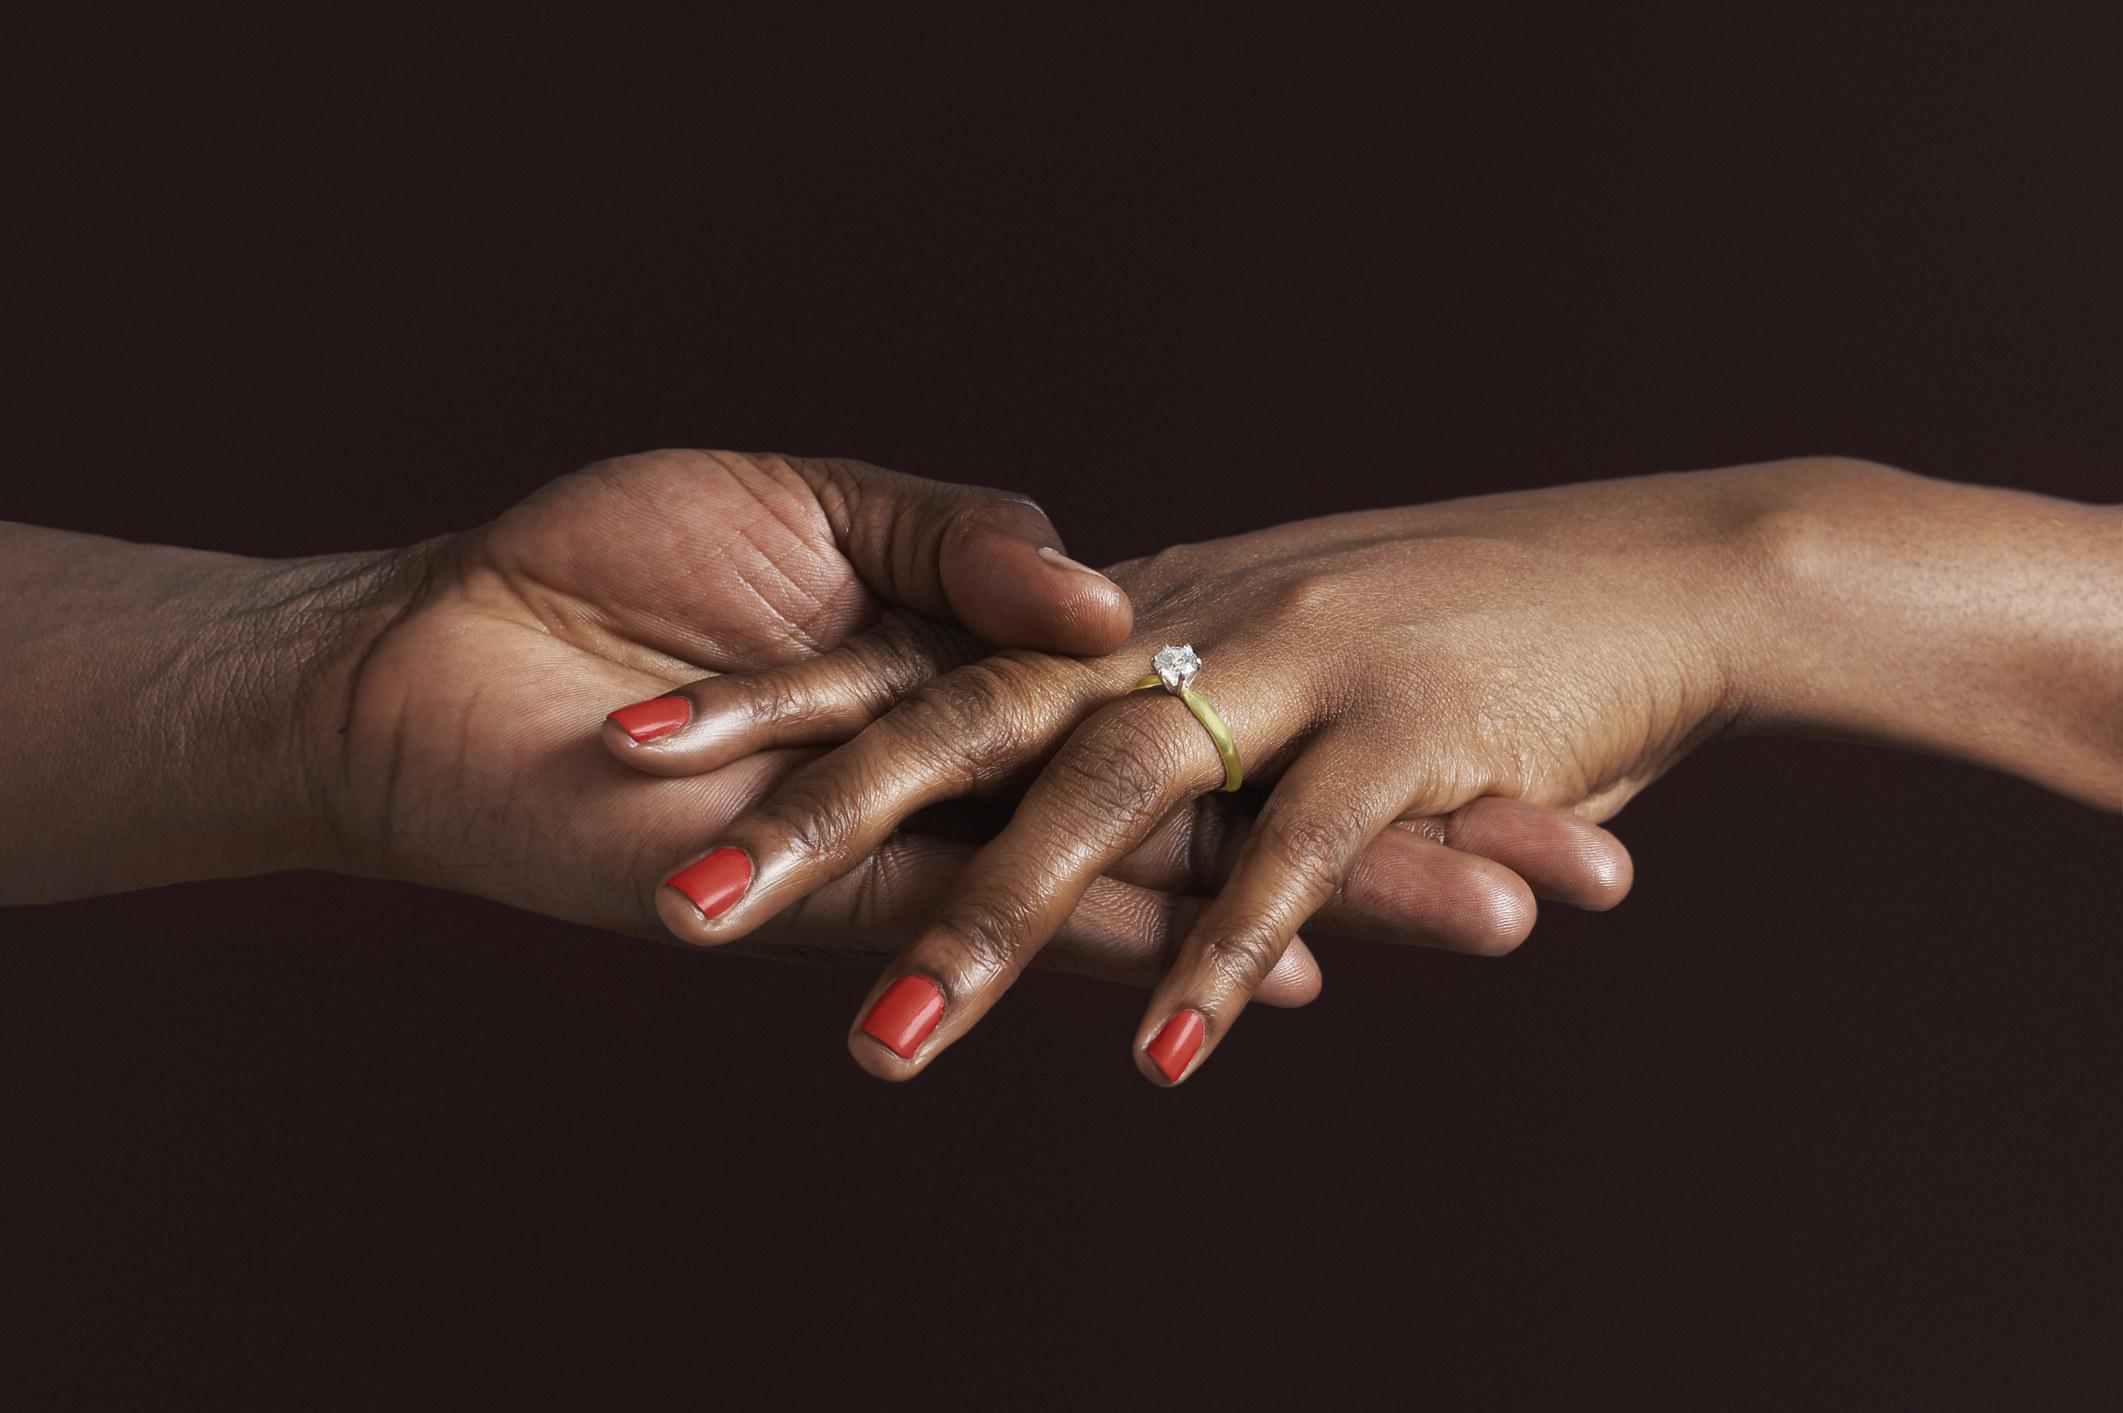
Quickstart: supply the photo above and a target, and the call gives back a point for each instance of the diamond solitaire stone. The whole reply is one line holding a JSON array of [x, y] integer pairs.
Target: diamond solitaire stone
[[1175, 667]]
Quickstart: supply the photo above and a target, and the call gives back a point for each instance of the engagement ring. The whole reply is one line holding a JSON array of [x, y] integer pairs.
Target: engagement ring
[[1174, 669]]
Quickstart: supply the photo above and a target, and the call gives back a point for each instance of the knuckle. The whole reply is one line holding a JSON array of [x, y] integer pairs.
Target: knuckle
[[959, 719], [1312, 847], [669, 460], [988, 715], [1125, 763], [1310, 597], [1240, 960], [767, 698], [813, 824], [905, 650], [965, 699], [982, 945]]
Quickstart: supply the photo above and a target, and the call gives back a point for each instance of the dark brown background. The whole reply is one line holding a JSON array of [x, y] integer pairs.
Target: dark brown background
[[1822, 1117]]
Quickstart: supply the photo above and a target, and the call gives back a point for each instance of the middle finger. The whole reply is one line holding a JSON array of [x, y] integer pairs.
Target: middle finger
[[1105, 790]]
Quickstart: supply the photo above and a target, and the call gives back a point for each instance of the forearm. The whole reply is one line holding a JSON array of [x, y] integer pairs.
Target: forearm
[[164, 710], [1968, 621]]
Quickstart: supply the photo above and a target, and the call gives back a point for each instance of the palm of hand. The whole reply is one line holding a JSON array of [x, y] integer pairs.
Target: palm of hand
[[471, 759]]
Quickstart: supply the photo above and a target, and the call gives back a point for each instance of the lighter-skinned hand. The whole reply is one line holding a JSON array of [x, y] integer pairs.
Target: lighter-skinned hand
[[1554, 649]]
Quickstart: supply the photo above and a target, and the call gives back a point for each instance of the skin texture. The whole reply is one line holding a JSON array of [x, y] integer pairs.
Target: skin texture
[[1559, 648], [431, 714]]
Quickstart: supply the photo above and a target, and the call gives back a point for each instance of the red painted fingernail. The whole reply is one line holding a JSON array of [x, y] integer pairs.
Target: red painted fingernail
[[716, 881], [659, 716], [905, 1014], [1175, 1045]]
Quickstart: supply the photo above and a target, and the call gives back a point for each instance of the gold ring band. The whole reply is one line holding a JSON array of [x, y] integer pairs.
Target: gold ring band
[[1226, 748]]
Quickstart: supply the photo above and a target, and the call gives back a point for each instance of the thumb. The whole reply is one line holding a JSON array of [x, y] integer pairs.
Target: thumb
[[986, 560]]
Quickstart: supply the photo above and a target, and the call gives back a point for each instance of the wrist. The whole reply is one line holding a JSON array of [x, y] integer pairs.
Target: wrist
[[1772, 527], [1966, 621], [275, 700], [1820, 616]]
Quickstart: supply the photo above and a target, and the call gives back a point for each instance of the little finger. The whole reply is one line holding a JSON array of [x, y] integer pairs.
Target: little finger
[[1328, 807]]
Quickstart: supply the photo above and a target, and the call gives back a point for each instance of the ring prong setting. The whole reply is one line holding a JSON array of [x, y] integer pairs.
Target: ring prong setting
[[1175, 667]]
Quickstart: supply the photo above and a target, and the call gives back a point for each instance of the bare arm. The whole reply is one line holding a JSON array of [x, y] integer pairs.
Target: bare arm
[[161, 707]]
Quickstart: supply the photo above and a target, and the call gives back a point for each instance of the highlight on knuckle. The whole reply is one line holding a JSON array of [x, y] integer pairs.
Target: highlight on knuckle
[[1310, 598]]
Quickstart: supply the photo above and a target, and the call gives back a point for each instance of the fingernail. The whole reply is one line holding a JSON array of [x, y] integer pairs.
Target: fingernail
[[716, 881], [905, 1014], [1060, 560], [659, 716], [1175, 1045]]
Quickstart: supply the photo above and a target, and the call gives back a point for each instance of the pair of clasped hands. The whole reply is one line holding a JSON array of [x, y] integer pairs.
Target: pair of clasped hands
[[827, 683]]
